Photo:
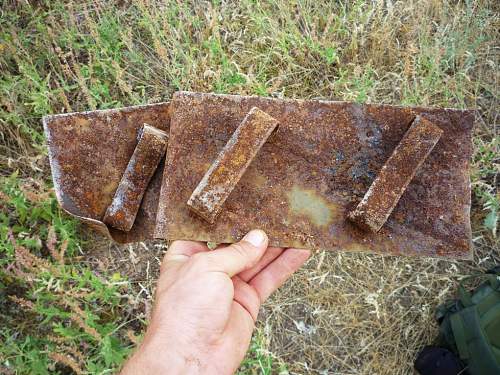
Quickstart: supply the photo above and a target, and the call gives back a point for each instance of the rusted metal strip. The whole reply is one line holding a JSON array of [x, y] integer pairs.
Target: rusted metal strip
[[392, 180], [225, 172], [151, 146]]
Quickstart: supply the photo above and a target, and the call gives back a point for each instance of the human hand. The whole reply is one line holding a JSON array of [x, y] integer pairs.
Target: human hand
[[207, 304]]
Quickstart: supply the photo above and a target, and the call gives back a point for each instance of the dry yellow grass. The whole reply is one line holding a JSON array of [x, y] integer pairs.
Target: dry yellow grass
[[343, 313]]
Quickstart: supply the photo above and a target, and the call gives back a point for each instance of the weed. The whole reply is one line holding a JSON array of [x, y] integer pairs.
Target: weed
[[55, 314], [259, 359], [58, 56]]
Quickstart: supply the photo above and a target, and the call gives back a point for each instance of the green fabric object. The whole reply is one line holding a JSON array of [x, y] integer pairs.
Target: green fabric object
[[470, 325]]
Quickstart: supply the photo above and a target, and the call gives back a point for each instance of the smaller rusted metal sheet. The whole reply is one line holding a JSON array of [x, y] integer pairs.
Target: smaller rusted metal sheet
[[89, 152], [150, 148], [223, 175], [391, 182], [314, 170]]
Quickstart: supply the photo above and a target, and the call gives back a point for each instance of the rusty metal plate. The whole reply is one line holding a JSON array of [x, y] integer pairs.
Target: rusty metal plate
[[315, 169], [89, 152]]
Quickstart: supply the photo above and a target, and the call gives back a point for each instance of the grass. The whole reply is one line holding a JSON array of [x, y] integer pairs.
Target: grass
[[343, 313], [56, 313]]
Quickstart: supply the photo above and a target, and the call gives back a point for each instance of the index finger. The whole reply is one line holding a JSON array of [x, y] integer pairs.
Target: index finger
[[276, 273]]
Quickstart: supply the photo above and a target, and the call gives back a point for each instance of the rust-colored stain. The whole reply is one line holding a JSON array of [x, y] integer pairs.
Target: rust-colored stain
[[89, 153], [391, 182], [309, 204], [315, 169], [214, 188], [150, 148]]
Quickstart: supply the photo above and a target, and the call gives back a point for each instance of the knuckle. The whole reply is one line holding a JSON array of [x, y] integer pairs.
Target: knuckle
[[163, 265], [173, 246], [166, 257], [248, 298], [240, 248], [200, 260]]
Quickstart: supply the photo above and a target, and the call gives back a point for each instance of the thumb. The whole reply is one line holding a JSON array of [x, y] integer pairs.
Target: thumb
[[239, 256]]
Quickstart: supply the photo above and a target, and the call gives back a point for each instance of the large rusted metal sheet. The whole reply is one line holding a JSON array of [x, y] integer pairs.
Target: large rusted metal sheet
[[315, 169], [89, 152]]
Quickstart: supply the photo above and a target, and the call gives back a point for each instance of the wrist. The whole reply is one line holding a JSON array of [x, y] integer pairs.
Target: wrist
[[151, 360]]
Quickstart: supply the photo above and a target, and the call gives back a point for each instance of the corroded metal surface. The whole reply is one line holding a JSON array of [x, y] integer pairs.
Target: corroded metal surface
[[391, 182], [233, 160], [151, 146], [315, 169], [89, 153]]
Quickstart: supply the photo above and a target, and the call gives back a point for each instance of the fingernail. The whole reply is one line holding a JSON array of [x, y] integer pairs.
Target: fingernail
[[256, 237]]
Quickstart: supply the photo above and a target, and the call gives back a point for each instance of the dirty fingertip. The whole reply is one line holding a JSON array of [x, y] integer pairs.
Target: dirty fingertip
[[256, 237]]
